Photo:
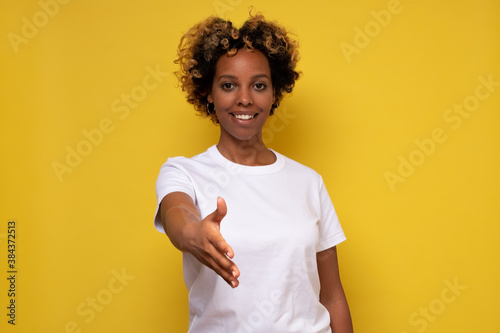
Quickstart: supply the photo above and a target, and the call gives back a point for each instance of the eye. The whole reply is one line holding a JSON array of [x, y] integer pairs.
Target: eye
[[260, 86], [227, 86]]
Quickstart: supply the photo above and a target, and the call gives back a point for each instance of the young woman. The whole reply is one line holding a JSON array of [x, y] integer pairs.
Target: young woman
[[257, 230]]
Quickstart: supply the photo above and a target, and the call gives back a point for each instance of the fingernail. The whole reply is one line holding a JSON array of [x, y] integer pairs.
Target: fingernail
[[233, 284], [234, 274]]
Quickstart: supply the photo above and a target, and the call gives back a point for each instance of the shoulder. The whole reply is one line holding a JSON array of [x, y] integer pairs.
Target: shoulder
[[299, 168]]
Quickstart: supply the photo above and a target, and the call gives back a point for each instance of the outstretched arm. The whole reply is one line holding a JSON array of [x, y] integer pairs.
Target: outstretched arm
[[201, 237], [332, 293]]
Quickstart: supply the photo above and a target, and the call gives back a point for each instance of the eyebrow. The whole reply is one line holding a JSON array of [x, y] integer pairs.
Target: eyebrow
[[234, 77]]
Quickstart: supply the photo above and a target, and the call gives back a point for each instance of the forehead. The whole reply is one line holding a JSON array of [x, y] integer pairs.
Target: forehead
[[243, 63]]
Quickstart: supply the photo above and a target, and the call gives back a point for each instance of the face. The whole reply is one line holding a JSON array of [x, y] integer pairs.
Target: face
[[242, 94]]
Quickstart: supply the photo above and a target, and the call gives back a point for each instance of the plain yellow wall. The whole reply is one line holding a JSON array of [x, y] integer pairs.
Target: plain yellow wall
[[397, 108]]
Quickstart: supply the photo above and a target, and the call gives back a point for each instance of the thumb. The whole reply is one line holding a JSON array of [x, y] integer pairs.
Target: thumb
[[221, 210]]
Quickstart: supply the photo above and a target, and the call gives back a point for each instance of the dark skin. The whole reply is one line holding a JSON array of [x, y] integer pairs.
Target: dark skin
[[332, 294], [201, 237]]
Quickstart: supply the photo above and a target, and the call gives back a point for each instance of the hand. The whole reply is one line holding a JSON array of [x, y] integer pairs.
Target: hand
[[205, 243]]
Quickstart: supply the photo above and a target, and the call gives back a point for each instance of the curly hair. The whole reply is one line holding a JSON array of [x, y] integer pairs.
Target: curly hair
[[202, 46]]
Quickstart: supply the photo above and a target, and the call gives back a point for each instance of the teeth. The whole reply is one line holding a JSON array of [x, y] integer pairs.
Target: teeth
[[243, 116]]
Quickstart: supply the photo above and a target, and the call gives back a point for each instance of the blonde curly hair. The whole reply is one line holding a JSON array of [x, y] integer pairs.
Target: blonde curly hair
[[202, 46]]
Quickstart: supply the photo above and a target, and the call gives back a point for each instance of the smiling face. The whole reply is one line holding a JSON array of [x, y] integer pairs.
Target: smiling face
[[242, 93]]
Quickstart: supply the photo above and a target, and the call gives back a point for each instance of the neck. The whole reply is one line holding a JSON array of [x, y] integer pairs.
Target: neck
[[250, 152]]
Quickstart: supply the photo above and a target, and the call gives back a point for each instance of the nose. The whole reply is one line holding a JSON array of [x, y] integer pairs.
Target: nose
[[244, 97]]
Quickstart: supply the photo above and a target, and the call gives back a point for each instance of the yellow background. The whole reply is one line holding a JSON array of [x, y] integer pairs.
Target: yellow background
[[353, 117]]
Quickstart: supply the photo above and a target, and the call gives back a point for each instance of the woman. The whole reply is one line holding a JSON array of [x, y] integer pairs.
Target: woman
[[240, 212]]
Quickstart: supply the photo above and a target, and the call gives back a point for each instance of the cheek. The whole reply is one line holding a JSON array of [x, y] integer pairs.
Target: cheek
[[223, 100], [265, 100]]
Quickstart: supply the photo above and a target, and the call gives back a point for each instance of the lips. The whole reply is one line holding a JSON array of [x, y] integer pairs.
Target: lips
[[244, 116]]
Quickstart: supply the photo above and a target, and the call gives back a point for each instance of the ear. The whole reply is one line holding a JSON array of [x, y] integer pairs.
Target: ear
[[210, 98]]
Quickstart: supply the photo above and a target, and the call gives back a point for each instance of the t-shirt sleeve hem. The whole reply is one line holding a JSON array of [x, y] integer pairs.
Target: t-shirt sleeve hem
[[171, 189], [331, 242]]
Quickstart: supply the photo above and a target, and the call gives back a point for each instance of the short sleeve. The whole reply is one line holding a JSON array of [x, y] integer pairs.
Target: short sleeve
[[172, 178], [330, 230]]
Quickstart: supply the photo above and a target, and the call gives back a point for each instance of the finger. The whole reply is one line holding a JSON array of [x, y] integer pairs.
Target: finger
[[225, 248], [223, 253], [222, 266], [224, 256], [221, 210], [228, 277], [228, 269], [222, 246]]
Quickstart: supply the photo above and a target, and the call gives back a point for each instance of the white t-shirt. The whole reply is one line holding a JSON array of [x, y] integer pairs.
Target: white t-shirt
[[278, 217]]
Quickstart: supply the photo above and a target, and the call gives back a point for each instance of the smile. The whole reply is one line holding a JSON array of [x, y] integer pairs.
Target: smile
[[244, 116]]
